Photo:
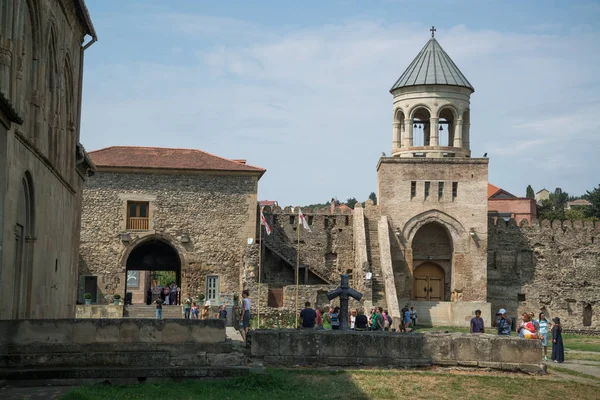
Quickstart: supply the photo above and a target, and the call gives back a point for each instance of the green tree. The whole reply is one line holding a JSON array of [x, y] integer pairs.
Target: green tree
[[593, 197], [554, 207], [575, 214], [530, 194], [351, 202], [373, 197]]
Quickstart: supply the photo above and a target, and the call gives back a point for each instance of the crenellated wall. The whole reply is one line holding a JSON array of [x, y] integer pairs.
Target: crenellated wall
[[548, 266]]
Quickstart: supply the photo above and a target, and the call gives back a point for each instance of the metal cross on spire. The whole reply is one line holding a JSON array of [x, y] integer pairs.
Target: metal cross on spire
[[433, 31]]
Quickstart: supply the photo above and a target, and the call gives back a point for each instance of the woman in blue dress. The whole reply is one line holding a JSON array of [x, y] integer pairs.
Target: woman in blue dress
[[544, 333], [558, 349]]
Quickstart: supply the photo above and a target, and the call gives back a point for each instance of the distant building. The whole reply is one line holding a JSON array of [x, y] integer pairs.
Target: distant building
[[270, 203], [579, 203], [543, 194], [505, 205]]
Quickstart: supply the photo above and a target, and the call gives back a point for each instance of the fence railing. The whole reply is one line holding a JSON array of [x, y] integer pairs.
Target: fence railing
[[137, 223]]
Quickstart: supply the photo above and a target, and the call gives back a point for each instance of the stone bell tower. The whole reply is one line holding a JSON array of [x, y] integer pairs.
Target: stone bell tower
[[432, 193]]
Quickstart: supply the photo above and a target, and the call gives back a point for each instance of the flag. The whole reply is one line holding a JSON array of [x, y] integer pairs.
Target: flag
[[263, 221], [303, 220]]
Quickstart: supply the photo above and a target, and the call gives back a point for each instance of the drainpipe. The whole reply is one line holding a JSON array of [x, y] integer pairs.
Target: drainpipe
[[79, 102]]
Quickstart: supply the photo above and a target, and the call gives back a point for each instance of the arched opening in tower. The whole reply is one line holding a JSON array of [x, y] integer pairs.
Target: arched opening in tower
[[421, 131]]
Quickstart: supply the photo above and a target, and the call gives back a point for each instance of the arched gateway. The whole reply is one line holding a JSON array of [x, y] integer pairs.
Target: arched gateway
[[145, 259], [432, 263]]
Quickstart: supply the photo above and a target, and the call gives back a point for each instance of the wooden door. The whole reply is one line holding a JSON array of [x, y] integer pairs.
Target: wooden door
[[428, 282], [275, 298]]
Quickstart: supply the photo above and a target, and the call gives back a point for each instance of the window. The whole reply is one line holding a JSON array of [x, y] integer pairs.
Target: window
[[427, 185], [212, 289], [348, 223], [137, 215], [413, 189], [521, 297], [454, 190], [309, 219], [440, 190], [292, 219]]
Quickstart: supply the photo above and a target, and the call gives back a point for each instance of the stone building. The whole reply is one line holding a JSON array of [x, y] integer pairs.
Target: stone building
[[433, 194], [42, 163], [157, 209]]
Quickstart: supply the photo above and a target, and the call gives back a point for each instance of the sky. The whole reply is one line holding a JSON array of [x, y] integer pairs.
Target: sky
[[302, 88]]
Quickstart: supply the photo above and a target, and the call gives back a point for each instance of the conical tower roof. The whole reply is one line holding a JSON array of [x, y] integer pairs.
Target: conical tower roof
[[432, 66]]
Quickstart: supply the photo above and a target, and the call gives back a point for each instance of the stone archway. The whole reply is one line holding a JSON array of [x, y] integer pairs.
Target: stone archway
[[432, 262], [146, 258]]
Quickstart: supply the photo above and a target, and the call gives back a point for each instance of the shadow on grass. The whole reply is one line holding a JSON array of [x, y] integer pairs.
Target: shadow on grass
[[275, 384]]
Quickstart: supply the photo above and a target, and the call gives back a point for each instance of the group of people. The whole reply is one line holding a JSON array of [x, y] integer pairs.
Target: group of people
[[528, 328], [328, 317], [169, 294]]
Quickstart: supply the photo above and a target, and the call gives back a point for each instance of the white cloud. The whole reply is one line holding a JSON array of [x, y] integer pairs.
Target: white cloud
[[323, 90]]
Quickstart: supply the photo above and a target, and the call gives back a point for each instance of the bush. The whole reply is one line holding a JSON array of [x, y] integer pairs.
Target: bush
[[117, 297], [87, 296]]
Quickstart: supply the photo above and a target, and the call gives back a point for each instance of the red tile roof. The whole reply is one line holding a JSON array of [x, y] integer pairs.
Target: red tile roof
[[492, 190], [165, 158]]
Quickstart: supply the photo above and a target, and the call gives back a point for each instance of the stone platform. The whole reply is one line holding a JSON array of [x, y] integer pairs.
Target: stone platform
[[88, 350], [377, 349]]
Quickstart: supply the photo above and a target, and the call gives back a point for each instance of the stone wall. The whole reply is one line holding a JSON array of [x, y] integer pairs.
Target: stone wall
[[327, 250], [356, 349], [43, 164], [104, 348], [98, 311], [217, 212], [552, 267]]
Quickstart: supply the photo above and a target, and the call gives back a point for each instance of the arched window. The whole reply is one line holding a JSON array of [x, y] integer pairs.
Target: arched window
[[51, 99], [23, 256], [446, 129], [421, 131], [68, 128]]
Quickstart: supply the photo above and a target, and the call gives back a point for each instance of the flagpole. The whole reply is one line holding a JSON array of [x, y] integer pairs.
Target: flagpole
[[259, 263], [297, 264]]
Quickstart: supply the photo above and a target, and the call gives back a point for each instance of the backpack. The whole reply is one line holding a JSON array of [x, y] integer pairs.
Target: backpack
[[389, 318]]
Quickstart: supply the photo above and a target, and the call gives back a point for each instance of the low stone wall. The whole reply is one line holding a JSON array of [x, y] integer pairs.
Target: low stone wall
[[106, 348], [449, 313], [98, 311], [355, 349]]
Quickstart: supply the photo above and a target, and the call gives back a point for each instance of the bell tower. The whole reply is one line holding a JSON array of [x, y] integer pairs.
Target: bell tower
[[431, 116], [432, 194]]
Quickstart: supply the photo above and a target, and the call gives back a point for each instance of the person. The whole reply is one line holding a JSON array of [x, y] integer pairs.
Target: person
[[558, 349], [503, 323], [534, 322], [389, 320], [205, 310], [222, 314], [159, 302], [308, 317], [149, 296], [245, 315], [335, 321], [362, 322], [526, 328], [166, 295], [173, 293], [353, 319], [407, 318], [379, 321], [373, 319], [326, 312], [194, 310], [187, 306], [544, 324], [413, 317], [386, 321], [476, 325], [319, 319]]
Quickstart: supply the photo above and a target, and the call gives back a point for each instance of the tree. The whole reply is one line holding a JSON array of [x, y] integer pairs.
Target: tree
[[554, 207], [530, 194], [593, 197], [351, 202], [373, 197]]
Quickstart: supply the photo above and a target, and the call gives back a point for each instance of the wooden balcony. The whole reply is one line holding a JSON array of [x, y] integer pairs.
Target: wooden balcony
[[137, 224]]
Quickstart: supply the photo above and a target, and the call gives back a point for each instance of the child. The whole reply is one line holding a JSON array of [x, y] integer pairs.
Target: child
[[194, 311]]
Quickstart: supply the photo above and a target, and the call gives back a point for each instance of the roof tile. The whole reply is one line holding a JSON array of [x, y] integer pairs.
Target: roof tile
[[166, 158]]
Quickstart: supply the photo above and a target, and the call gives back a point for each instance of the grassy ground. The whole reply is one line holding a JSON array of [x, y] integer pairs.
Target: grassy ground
[[582, 343], [303, 384]]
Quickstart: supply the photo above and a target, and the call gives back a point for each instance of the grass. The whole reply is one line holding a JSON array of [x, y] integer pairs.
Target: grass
[[573, 373], [333, 385], [582, 343], [572, 355]]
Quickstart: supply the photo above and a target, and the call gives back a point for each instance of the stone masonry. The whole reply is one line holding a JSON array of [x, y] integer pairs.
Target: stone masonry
[[215, 211], [552, 267]]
